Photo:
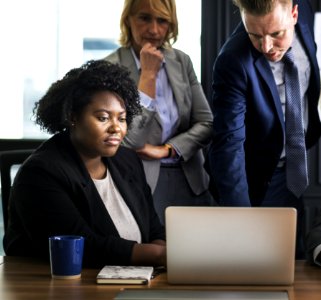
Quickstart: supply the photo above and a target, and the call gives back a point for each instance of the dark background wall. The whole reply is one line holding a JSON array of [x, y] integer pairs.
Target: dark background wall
[[219, 18]]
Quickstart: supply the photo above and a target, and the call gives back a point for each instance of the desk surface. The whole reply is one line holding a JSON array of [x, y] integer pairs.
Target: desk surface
[[29, 279]]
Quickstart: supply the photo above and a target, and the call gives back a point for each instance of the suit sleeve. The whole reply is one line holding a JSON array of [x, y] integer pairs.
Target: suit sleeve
[[226, 155], [197, 134]]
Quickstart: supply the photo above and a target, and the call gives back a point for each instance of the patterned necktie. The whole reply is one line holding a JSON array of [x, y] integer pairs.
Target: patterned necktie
[[296, 156]]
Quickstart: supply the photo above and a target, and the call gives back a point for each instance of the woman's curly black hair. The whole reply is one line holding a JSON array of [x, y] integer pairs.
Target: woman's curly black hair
[[69, 96]]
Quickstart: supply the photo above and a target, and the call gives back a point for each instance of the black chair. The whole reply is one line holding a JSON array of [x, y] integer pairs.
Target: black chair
[[311, 213], [8, 159]]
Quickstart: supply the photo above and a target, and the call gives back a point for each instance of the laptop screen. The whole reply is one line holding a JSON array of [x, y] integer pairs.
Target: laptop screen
[[230, 245]]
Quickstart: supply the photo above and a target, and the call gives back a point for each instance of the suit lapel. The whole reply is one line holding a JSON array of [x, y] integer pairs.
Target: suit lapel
[[264, 69], [174, 73], [127, 60], [93, 203], [123, 179]]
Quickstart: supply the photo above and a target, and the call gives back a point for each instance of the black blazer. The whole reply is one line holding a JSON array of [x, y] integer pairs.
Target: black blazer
[[53, 194]]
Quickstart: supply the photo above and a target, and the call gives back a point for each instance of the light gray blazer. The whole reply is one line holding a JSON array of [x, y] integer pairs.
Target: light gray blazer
[[194, 126]]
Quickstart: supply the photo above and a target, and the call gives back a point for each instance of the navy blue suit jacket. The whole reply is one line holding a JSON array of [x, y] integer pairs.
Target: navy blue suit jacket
[[248, 128], [53, 194]]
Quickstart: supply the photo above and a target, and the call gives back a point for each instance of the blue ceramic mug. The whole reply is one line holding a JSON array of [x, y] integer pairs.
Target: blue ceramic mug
[[66, 253]]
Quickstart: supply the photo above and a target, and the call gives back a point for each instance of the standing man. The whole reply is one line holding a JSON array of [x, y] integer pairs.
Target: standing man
[[261, 110]]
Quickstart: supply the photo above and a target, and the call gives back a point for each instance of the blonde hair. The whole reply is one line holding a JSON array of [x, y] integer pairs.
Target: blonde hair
[[164, 8]]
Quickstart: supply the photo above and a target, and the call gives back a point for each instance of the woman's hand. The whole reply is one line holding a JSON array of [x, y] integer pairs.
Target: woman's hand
[[151, 152], [150, 61], [153, 254]]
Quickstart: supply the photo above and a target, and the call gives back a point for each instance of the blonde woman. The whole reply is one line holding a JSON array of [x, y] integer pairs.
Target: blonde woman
[[176, 122]]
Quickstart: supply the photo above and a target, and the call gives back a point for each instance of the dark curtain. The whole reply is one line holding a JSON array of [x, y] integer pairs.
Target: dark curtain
[[316, 5], [219, 18]]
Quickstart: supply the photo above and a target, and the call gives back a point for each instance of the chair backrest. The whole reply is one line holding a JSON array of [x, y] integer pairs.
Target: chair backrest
[[8, 159]]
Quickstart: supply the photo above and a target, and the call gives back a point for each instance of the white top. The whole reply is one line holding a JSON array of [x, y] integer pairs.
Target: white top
[[117, 208]]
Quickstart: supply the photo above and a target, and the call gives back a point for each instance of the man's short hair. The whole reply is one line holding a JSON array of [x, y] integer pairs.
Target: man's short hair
[[259, 7]]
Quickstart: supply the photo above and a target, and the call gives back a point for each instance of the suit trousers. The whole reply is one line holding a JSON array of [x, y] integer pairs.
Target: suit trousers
[[172, 189], [278, 195]]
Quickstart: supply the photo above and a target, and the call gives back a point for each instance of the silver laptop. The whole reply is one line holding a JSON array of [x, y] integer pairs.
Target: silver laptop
[[230, 245]]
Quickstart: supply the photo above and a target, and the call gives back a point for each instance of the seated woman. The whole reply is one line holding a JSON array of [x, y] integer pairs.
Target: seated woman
[[81, 181]]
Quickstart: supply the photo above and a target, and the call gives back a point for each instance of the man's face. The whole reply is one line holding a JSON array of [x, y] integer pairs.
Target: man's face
[[272, 34]]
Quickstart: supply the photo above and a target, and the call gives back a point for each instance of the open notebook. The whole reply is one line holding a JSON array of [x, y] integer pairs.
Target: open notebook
[[230, 245]]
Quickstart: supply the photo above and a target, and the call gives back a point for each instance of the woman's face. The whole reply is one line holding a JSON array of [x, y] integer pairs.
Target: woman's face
[[147, 27], [99, 129]]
